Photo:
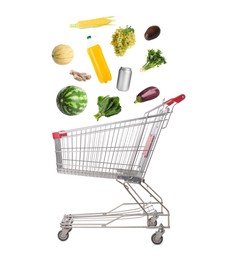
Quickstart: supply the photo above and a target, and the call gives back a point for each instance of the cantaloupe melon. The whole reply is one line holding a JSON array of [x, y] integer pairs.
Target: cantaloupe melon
[[62, 54]]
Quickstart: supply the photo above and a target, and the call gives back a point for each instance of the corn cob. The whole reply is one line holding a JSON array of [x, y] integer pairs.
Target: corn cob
[[92, 23]]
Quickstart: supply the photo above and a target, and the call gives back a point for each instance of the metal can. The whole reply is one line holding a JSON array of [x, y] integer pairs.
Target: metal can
[[124, 78]]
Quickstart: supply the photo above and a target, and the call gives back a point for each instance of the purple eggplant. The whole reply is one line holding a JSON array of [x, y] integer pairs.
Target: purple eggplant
[[147, 94]]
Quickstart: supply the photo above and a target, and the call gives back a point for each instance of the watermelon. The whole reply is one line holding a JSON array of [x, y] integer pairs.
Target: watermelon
[[71, 100]]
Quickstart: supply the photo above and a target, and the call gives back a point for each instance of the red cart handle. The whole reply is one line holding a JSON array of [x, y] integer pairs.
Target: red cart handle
[[177, 99], [60, 134]]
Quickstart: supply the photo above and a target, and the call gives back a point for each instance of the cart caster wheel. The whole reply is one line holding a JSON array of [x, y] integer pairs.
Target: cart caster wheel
[[63, 238], [152, 224], [155, 241]]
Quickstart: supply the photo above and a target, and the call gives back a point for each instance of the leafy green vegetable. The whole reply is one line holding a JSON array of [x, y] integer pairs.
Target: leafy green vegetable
[[99, 100], [108, 106], [123, 39], [128, 29], [154, 59]]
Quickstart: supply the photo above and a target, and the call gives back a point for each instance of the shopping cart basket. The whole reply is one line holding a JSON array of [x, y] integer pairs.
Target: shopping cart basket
[[121, 151]]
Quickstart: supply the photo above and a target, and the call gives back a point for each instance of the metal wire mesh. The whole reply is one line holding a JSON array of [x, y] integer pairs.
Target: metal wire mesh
[[114, 150]]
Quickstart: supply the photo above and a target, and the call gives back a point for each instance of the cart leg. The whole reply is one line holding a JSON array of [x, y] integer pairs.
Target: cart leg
[[157, 237], [134, 195], [157, 198], [66, 226], [152, 193]]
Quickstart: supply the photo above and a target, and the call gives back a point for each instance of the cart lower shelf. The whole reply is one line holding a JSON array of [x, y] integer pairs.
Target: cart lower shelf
[[153, 215]]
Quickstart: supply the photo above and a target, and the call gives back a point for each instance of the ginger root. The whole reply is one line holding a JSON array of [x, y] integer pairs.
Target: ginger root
[[80, 76]]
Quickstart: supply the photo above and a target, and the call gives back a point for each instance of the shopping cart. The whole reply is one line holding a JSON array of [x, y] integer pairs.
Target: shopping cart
[[121, 151]]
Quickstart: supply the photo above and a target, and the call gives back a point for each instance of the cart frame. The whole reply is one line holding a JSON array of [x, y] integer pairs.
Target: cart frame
[[81, 155]]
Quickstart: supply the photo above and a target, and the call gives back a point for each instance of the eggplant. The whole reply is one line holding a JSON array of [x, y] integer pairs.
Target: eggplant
[[147, 94], [152, 32]]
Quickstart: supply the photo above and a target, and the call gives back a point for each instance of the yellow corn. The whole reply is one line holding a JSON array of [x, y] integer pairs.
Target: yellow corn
[[92, 23]]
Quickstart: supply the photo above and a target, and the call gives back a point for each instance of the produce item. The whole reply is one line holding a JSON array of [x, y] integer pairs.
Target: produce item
[[154, 59], [92, 23], [62, 54], [71, 100], [108, 106], [124, 79], [98, 60], [152, 32], [80, 76], [123, 39], [147, 94]]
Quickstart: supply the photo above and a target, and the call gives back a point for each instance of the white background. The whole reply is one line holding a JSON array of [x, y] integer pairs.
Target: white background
[[189, 167]]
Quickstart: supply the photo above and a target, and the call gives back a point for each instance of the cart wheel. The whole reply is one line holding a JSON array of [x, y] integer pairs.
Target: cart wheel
[[153, 224], [61, 237], [155, 241]]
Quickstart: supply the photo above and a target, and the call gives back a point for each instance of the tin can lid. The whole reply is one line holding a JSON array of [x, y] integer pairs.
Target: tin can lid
[[125, 68]]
